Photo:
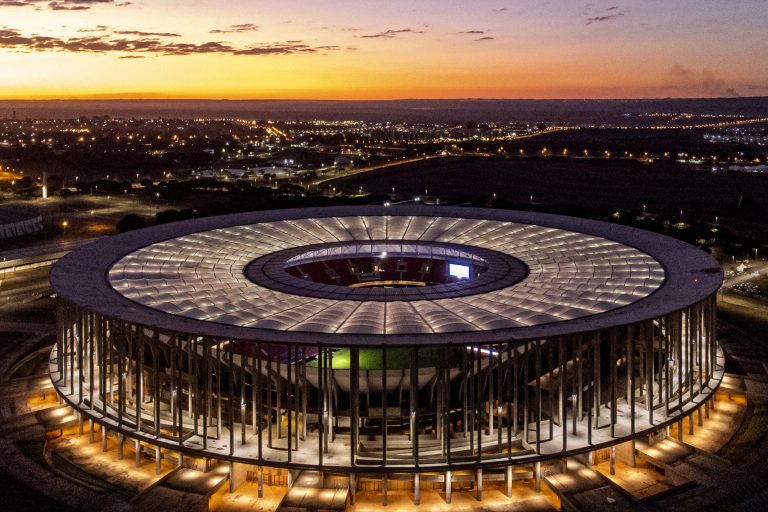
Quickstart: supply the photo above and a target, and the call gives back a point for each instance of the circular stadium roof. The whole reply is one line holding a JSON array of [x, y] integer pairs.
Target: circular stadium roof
[[222, 276]]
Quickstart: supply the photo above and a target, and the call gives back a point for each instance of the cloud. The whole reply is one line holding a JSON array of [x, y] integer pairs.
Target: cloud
[[286, 48], [63, 6], [480, 33], [705, 82], [391, 34], [125, 32], [592, 16], [97, 28], [145, 34], [59, 5], [150, 46], [236, 29]]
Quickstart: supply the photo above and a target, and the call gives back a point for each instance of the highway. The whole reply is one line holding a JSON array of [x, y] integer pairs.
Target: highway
[[24, 286], [352, 172]]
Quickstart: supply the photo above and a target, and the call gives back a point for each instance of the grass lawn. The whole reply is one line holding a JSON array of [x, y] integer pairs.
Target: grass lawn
[[372, 358]]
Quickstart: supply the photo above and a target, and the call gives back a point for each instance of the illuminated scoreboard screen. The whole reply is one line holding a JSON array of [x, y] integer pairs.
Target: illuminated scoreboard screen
[[458, 271]]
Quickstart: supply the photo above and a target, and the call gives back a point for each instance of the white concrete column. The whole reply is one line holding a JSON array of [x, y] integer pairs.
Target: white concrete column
[[613, 460], [238, 475], [384, 491], [479, 484], [416, 489], [103, 439], [448, 487], [158, 458], [91, 426], [352, 489], [508, 478], [537, 476], [120, 441], [490, 416], [138, 453]]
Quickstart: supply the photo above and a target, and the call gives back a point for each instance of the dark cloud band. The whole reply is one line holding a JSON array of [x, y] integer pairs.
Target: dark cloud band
[[14, 39]]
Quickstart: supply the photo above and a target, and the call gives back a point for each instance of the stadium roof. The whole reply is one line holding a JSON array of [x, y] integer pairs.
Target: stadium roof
[[548, 276]]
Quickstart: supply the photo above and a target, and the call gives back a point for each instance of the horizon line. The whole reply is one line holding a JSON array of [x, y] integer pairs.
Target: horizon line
[[345, 100]]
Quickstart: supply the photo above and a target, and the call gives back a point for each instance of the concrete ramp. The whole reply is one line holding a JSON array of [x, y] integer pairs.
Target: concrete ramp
[[310, 493], [584, 489]]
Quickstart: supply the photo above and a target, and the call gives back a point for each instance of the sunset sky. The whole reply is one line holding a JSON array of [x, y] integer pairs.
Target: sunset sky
[[360, 49]]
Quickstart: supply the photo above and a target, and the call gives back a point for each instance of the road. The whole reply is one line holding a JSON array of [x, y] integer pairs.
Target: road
[[352, 172], [755, 265], [24, 286], [361, 170]]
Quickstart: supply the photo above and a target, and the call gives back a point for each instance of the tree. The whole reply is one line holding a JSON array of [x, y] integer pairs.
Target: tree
[[24, 182], [130, 222], [167, 216], [54, 183]]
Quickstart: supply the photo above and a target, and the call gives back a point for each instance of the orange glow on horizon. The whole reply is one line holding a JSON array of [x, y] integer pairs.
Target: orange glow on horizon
[[335, 50]]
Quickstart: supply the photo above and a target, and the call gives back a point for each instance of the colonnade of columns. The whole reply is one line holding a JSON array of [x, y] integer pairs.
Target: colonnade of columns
[[385, 409]]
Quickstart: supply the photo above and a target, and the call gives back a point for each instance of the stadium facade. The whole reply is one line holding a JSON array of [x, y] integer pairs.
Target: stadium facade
[[384, 341]]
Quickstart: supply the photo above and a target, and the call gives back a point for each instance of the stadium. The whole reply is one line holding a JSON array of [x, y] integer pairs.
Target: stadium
[[387, 344]]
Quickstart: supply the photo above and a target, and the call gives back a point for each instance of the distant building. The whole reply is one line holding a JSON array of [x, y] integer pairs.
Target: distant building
[[753, 168], [279, 172], [343, 161], [236, 173]]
